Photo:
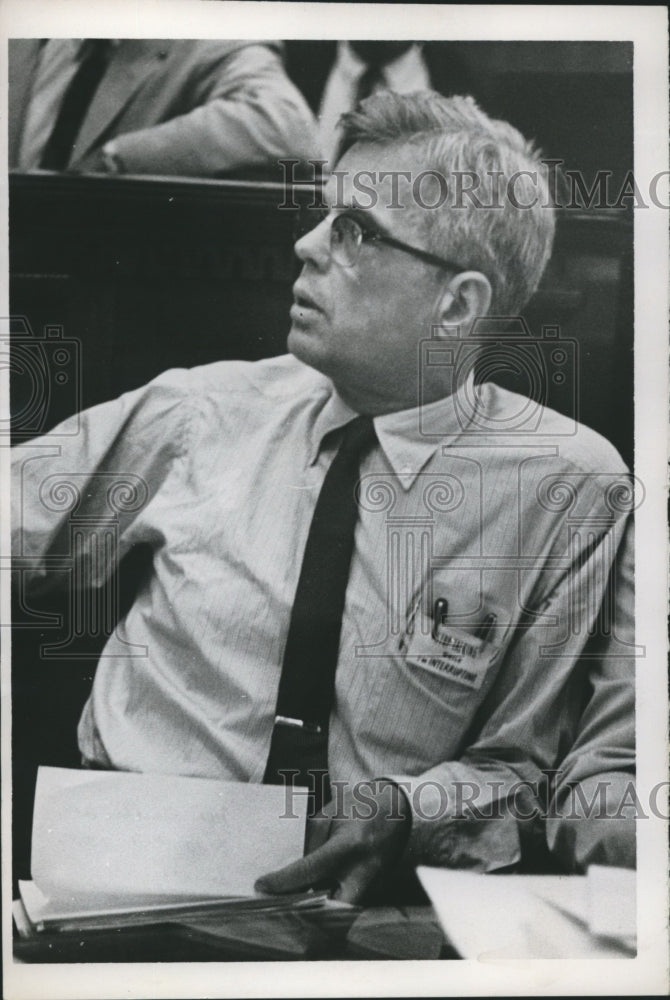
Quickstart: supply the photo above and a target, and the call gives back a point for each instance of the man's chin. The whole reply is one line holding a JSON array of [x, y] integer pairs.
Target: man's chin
[[301, 344], [305, 347]]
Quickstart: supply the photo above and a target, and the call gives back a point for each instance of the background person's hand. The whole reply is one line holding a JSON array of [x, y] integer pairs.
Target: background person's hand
[[360, 833]]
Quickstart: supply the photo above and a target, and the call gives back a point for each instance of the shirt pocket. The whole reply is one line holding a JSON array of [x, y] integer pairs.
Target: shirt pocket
[[460, 660], [430, 690]]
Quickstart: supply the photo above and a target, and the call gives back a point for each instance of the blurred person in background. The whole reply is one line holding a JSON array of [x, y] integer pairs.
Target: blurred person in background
[[335, 76], [153, 106]]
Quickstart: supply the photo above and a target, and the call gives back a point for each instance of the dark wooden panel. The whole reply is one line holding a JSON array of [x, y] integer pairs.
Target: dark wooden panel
[[144, 275], [139, 275]]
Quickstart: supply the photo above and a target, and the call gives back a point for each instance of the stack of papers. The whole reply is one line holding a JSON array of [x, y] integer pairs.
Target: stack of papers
[[390, 932], [536, 916], [114, 849], [300, 932]]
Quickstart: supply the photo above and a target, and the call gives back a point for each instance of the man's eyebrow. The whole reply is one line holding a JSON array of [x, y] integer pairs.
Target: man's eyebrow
[[343, 206], [336, 206], [368, 218], [366, 215]]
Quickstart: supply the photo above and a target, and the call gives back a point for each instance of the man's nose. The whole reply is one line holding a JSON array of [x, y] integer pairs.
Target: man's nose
[[314, 246]]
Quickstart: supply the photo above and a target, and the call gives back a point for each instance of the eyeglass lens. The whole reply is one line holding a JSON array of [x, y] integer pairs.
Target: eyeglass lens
[[345, 239], [346, 234]]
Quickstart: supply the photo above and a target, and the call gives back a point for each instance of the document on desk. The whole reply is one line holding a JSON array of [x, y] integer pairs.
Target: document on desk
[[116, 842], [535, 916]]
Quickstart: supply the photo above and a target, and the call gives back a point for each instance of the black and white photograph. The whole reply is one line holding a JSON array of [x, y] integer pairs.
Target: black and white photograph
[[334, 553]]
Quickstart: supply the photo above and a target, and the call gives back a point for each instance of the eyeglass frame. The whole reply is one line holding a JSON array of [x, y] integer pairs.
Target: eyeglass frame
[[372, 235]]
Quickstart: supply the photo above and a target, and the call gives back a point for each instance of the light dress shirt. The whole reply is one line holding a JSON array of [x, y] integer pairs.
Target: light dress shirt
[[588, 786], [502, 509], [58, 63], [404, 75]]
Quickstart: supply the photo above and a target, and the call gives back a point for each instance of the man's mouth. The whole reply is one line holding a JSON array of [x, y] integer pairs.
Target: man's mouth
[[304, 301]]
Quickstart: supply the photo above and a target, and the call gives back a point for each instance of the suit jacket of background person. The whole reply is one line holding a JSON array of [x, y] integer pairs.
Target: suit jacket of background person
[[308, 63], [197, 108]]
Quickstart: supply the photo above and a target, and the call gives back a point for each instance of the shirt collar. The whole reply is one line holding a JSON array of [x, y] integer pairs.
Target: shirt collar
[[350, 65], [397, 73], [408, 438], [334, 414], [407, 72]]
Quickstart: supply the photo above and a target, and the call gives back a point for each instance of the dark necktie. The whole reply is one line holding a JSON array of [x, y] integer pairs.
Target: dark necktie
[[371, 78], [75, 104], [365, 85], [299, 748]]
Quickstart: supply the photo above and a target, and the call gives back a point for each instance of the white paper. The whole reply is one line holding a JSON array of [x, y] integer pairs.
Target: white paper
[[500, 917], [113, 837], [612, 901]]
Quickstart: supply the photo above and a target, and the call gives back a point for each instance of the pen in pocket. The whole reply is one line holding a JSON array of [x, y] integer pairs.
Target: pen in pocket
[[486, 627], [440, 612]]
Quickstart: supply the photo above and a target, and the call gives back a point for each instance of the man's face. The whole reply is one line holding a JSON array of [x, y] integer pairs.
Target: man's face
[[361, 325]]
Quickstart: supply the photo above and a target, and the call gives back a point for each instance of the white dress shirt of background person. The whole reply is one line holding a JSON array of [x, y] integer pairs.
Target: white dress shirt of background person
[[361, 69], [233, 456]]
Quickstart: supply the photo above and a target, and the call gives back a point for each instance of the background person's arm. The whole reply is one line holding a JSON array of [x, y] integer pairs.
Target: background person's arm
[[246, 114]]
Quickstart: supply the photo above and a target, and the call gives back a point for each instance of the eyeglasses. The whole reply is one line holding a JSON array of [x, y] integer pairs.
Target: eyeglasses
[[348, 233]]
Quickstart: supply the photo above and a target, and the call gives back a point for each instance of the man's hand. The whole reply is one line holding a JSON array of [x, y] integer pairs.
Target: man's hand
[[101, 161], [360, 833]]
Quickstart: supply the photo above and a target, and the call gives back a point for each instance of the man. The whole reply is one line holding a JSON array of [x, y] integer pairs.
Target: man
[[335, 76], [420, 676], [153, 106]]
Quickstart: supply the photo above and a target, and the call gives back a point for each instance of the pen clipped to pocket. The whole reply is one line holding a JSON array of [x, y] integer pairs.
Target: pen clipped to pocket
[[453, 651]]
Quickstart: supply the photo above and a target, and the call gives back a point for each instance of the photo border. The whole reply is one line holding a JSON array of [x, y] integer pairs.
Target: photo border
[[646, 27]]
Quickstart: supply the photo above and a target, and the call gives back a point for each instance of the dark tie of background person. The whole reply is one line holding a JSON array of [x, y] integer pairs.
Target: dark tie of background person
[[371, 78], [376, 55], [299, 747], [93, 59]]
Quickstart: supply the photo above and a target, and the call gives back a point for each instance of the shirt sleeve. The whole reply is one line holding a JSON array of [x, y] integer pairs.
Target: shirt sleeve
[[473, 812], [250, 116], [591, 819], [98, 469]]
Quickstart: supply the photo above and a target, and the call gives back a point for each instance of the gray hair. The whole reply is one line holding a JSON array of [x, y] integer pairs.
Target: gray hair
[[509, 243]]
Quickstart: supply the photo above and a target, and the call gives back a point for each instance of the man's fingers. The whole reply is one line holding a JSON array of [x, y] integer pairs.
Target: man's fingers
[[318, 831], [320, 866], [353, 885]]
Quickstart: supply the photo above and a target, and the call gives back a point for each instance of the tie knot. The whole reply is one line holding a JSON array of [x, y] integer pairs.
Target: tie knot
[[359, 436], [368, 81]]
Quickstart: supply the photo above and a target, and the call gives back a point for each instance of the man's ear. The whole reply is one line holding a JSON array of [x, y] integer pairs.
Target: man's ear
[[466, 297]]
